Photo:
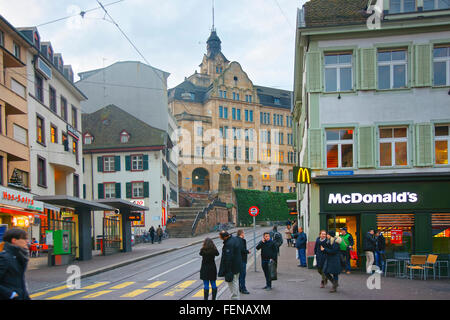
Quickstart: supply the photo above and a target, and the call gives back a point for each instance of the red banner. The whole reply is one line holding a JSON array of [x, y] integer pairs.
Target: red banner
[[396, 236]]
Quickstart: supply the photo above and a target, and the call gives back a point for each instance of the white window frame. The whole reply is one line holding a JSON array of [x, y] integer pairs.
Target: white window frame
[[110, 190], [109, 164], [393, 141], [441, 138], [339, 143], [137, 162], [338, 66], [391, 65], [447, 65], [137, 190]]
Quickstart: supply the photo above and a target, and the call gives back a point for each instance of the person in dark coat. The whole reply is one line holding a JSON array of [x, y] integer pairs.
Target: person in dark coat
[[230, 262], [159, 233], [332, 266], [208, 270], [321, 256], [300, 244], [152, 234], [244, 254], [269, 251], [13, 264], [369, 246], [380, 247]]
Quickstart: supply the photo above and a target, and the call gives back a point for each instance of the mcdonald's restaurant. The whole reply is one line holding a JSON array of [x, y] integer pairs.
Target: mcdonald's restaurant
[[411, 210]]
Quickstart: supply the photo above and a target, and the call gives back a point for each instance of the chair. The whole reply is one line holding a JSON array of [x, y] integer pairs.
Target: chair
[[431, 264], [417, 262], [399, 257]]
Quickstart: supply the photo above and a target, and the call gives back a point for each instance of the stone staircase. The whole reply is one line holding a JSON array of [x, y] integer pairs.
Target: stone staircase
[[182, 228]]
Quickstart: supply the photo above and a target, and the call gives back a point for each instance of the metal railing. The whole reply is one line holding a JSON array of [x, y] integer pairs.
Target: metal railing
[[202, 214]]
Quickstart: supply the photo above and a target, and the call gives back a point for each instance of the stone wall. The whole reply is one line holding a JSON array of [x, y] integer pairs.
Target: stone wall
[[214, 216]]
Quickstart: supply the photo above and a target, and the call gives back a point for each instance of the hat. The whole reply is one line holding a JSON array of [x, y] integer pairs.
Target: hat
[[223, 234], [344, 228], [332, 233]]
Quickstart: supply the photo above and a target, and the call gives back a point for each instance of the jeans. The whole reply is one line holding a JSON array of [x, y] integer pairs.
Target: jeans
[[324, 277], [265, 267], [206, 284], [234, 287], [242, 275], [379, 259], [346, 257], [302, 257], [335, 277]]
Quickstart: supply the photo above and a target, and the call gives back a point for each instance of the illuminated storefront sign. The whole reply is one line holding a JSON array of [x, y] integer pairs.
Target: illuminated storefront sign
[[401, 197], [20, 221], [20, 199], [302, 175]]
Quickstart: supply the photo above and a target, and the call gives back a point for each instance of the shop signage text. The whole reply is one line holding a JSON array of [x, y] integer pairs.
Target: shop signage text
[[353, 198], [19, 199]]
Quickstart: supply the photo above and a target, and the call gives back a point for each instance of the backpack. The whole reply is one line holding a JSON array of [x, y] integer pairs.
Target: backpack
[[278, 239]]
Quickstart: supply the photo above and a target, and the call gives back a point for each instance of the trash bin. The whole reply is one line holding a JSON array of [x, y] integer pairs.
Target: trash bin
[[99, 243]]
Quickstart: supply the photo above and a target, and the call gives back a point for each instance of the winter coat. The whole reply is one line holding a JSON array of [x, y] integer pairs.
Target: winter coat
[[13, 265], [288, 233], [159, 232], [320, 255], [208, 270], [152, 232], [380, 243], [300, 240], [269, 250], [231, 260], [369, 242], [244, 250], [347, 241], [332, 251]]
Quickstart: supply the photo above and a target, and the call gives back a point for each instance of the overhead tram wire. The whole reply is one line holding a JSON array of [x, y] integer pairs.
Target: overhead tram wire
[[284, 15]]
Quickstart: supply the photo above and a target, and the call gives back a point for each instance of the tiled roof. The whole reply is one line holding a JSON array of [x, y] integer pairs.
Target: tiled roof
[[335, 12], [268, 95]]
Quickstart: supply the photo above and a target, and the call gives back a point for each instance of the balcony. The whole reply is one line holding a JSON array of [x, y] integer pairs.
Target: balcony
[[15, 150], [15, 104], [63, 160]]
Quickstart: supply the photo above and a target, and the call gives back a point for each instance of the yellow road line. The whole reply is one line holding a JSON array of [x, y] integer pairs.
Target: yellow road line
[[38, 294], [65, 295], [122, 285], [95, 285], [199, 293], [155, 284], [180, 287], [97, 294], [134, 293], [58, 288]]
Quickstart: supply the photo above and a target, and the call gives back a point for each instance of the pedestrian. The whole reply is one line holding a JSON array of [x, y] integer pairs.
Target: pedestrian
[[300, 244], [13, 264], [159, 233], [268, 253], [345, 246], [244, 254], [369, 246], [208, 270], [277, 238], [380, 247], [294, 231], [332, 266], [230, 263], [288, 233], [321, 256], [152, 234]]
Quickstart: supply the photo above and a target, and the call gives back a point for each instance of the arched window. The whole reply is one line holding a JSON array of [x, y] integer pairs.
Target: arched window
[[250, 181], [124, 137], [238, 181], [280, 175]]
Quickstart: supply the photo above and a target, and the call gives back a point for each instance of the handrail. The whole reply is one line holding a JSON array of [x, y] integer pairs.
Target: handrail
[[201, 214]]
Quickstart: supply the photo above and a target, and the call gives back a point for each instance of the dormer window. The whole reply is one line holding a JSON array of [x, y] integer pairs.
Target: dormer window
[[88, 139], [124, 137], [276, 101], [37, 42]]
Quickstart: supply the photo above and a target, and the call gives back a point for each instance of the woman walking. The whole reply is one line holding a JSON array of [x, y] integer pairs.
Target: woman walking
[[288, 233], [208, 270], [321, 256], [332, 266]]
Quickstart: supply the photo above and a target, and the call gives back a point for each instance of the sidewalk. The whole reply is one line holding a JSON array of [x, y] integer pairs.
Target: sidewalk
[[41, 277], [296, 283]]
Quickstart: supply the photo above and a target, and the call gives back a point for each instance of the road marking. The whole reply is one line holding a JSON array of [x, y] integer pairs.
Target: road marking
[[97, 294], [180, 287], [38, 294], [199, 293], [170, 270], [122, 285], [65, 295], [95, 285], [134, 293], [155, 284]]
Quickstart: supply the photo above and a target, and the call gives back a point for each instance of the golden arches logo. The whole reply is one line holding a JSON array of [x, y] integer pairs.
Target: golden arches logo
[[303, 175]]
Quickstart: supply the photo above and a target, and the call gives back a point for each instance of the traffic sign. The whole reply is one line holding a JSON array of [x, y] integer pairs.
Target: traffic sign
[[253, 211]]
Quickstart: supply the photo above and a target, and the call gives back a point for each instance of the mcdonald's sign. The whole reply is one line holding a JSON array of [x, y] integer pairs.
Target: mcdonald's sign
[[302, 175]]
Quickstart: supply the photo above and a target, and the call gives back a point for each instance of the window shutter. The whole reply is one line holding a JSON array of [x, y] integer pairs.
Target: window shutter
[[117, 163], [424, 145], [129, 190], [100, 164], [101, 192], [422, 67], [366, 147], [368, 67], [118, 191], [128, 163], [146, 190], [145, 162], [315, 148], [314, 71]]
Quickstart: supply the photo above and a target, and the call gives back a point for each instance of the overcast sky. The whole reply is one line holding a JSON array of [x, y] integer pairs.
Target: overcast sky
[[171, 34]]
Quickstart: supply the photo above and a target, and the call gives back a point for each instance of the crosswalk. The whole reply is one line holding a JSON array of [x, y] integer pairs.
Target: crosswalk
[[126, 290]]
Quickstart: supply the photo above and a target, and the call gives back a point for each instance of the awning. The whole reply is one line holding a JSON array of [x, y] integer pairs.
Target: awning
[[73, 202], [122, 204]]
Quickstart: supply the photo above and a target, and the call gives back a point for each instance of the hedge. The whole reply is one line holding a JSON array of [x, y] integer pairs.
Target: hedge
[[272, 205]]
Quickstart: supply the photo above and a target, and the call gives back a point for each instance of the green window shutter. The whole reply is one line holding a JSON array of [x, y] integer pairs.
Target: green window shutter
[[129, 190], [145, 162], [101, 192], [146, 190], [315, 148], [118, 196], [117, 163], [366, 147], [368, 67], [314, 71], [422, 66], [100, 164], [128, 163], [424, 144]]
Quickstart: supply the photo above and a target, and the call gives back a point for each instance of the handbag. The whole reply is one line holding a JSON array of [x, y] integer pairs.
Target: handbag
[[273, 269], [229, 277], [315, 261], [353, 255]]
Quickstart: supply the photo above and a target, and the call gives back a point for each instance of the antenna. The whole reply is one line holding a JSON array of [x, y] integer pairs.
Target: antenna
[[213, 29]]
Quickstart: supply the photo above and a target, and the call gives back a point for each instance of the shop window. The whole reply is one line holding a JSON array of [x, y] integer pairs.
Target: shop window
[[441, 233], [392, 69], [338, 72], [402, 6], [435, 4], [398, 231], [441, 142], [393, 146], [441, 65], [339, 148]]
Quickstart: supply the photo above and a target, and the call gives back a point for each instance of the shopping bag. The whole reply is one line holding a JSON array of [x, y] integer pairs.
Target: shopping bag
[[296, 254], [353, 255], [315, 261], [273, 269]]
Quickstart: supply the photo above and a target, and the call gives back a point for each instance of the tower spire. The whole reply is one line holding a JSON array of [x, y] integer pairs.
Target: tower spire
[[213, 28]]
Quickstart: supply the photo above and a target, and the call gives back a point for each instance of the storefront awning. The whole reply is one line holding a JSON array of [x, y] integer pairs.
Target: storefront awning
[[73, 202], [122, 204]]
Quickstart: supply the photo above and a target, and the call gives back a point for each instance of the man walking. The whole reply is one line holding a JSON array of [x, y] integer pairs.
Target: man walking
[[300, 244], [369, 245], [230, 263], [380, 248], [13, 264], [152, 234], [159, 233], [244, 254], [268, 253], [345, 247]]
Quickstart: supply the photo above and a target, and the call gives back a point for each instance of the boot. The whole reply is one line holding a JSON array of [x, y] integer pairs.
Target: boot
[[335, 284], [322, 284], [205, 294], [214, 294]]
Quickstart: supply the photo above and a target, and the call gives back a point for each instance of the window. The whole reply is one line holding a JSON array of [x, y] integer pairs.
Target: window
[[138, 189], [108, 164], [223, 112], [393, 146], [291, 175], [137, 163], [39, 87], [279, 175], [266, 188], [392, 69], [124, 137], [52, 98], [249, 115], [441, 66], [250, 181], [64, 108], [1, 170], [238, 114], [200, 131], [265, 118], [338, 72], [40, 127], [42, 172], [339, 148], [233, 113], [223, 94], [2, 38], [441, 232], [53, 134], [88, 138], [276, 101], [238, 180], [110, 190], [74, 117], [401, 6], [436, 4], [16, 50], [441, 142], [76, 186], [75, 149], [248, 98]]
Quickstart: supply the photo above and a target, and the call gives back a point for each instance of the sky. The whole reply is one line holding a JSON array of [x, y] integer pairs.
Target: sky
[[170, 34]]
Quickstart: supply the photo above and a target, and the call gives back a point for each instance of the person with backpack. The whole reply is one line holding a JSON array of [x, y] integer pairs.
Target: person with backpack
[[345, 247], [277, 238], [300, 244]]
